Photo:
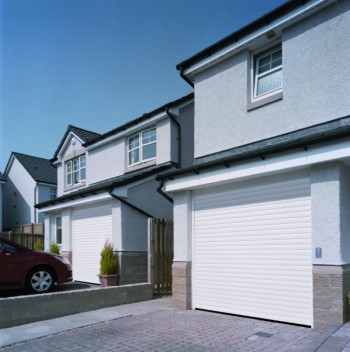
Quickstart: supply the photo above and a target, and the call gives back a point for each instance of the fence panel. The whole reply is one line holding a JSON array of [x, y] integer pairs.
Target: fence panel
[[161, 254], [26, 235]]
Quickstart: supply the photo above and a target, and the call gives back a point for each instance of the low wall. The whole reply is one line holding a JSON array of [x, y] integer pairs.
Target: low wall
[[27, 309]]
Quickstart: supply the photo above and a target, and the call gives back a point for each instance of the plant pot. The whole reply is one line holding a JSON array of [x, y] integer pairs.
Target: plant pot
[[109, 280]]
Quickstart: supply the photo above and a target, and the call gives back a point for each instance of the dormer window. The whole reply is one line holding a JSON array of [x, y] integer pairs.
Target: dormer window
[[76, 170], [142, 147]]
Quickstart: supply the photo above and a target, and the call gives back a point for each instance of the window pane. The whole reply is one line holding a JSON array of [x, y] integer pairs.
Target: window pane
[[149, 151], [269, 82], [133, 142], [264, 68], [277, 55], [276, 63], [76, 176], [134, 157], [82, 174]]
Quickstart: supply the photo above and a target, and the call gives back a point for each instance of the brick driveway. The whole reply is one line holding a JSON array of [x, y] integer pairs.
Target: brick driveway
[[175, 330]]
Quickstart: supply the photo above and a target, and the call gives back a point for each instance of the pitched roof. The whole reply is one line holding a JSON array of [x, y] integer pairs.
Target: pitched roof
[[39, 169], [109, 184], [142, 118], [323, 132], [238, 35], [85, 135]]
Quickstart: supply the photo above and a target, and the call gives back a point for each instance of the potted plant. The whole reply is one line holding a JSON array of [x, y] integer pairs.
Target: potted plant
[[108, 266]]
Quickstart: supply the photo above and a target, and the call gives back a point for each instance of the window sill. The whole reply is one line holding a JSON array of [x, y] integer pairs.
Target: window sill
[[71, 188], [264, 101], [140, 166]]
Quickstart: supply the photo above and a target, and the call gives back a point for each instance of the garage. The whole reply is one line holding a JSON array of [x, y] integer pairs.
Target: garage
[[92, 225], [252, 250]]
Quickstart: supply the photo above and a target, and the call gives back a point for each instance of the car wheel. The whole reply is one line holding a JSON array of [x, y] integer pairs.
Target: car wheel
[[40, 280]]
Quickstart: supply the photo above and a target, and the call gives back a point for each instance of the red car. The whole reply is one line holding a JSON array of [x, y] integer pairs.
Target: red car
[[36, 271]]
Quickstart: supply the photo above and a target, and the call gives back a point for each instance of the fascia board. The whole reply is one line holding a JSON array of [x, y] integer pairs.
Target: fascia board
[[279, 24], [128, 131], [65, 144], [282, 163], [9, 165], [75, 203]]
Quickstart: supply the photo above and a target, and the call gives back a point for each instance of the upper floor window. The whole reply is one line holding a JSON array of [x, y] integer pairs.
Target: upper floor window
[[76, 170], [142, 146], [53, 193], [268, 72]]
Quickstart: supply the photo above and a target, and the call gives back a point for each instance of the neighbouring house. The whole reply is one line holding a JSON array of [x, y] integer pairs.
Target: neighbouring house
[[29, 180], [2, 182], [107, 189], [262, 219]]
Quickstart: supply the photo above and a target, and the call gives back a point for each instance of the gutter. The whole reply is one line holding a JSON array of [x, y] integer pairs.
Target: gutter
[[122, 200], [35, 201], [275, 20], [184, 77], [160, 190]]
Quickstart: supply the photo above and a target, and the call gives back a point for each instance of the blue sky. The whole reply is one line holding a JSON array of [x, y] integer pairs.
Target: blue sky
[[97, 64]]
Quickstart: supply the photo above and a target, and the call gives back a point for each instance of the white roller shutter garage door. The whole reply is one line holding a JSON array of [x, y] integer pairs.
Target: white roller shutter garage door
[[252, 251], [92, 226]]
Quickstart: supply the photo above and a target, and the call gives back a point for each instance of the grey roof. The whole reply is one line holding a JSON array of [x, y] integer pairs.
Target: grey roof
[[238, 35], [109, 184], [323, 132], [142, 118], [40, 169], [85, 135]]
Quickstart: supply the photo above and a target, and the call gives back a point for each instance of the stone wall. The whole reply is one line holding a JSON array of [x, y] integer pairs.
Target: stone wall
[[330, 287], [182, 292]]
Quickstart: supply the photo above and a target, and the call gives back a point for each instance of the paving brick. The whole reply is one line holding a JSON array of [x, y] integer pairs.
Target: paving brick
[[177, 330]]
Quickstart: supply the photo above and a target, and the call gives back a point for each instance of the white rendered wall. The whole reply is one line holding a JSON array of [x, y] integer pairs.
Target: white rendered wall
[[315, 86], [19, 181], [182, 226], [330, 204], [106, 161]]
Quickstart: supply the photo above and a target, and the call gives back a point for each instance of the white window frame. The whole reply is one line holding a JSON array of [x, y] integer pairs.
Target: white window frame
[[255, 75], [58, 228], [140, 146], [75, 171], [53, 193]]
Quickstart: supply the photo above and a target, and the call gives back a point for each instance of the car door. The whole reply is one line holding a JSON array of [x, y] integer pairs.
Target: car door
[[11, 265]]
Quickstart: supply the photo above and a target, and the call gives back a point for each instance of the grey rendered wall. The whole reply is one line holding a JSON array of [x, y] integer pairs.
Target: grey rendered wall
[[186, 120], [146, 197], [316, 86]]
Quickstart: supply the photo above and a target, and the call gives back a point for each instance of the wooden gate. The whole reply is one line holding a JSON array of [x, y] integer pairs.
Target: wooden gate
[[160, 254]]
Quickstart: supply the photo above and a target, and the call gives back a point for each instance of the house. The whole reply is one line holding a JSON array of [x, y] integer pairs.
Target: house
[[107, 189], [261, 221], [29, 180], [2, 182]]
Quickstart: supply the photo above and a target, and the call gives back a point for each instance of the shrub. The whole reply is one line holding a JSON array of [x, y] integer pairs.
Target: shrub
[[54, 248], [38, 246], [108, 262]]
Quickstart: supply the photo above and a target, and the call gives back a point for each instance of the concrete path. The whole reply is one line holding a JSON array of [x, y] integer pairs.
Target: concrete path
[[156, 326]]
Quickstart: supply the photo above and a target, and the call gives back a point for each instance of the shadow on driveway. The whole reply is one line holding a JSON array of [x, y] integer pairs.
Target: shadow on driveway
[[70, 286]]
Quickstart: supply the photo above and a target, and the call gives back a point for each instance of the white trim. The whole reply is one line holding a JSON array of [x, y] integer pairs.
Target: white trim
[[293, 16], [126, 133], [272, 164], [75, 203], [65, 144]]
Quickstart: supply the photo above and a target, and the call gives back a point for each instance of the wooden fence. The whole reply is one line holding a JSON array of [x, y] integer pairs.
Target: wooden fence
[[160, 254], [26, 235]]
